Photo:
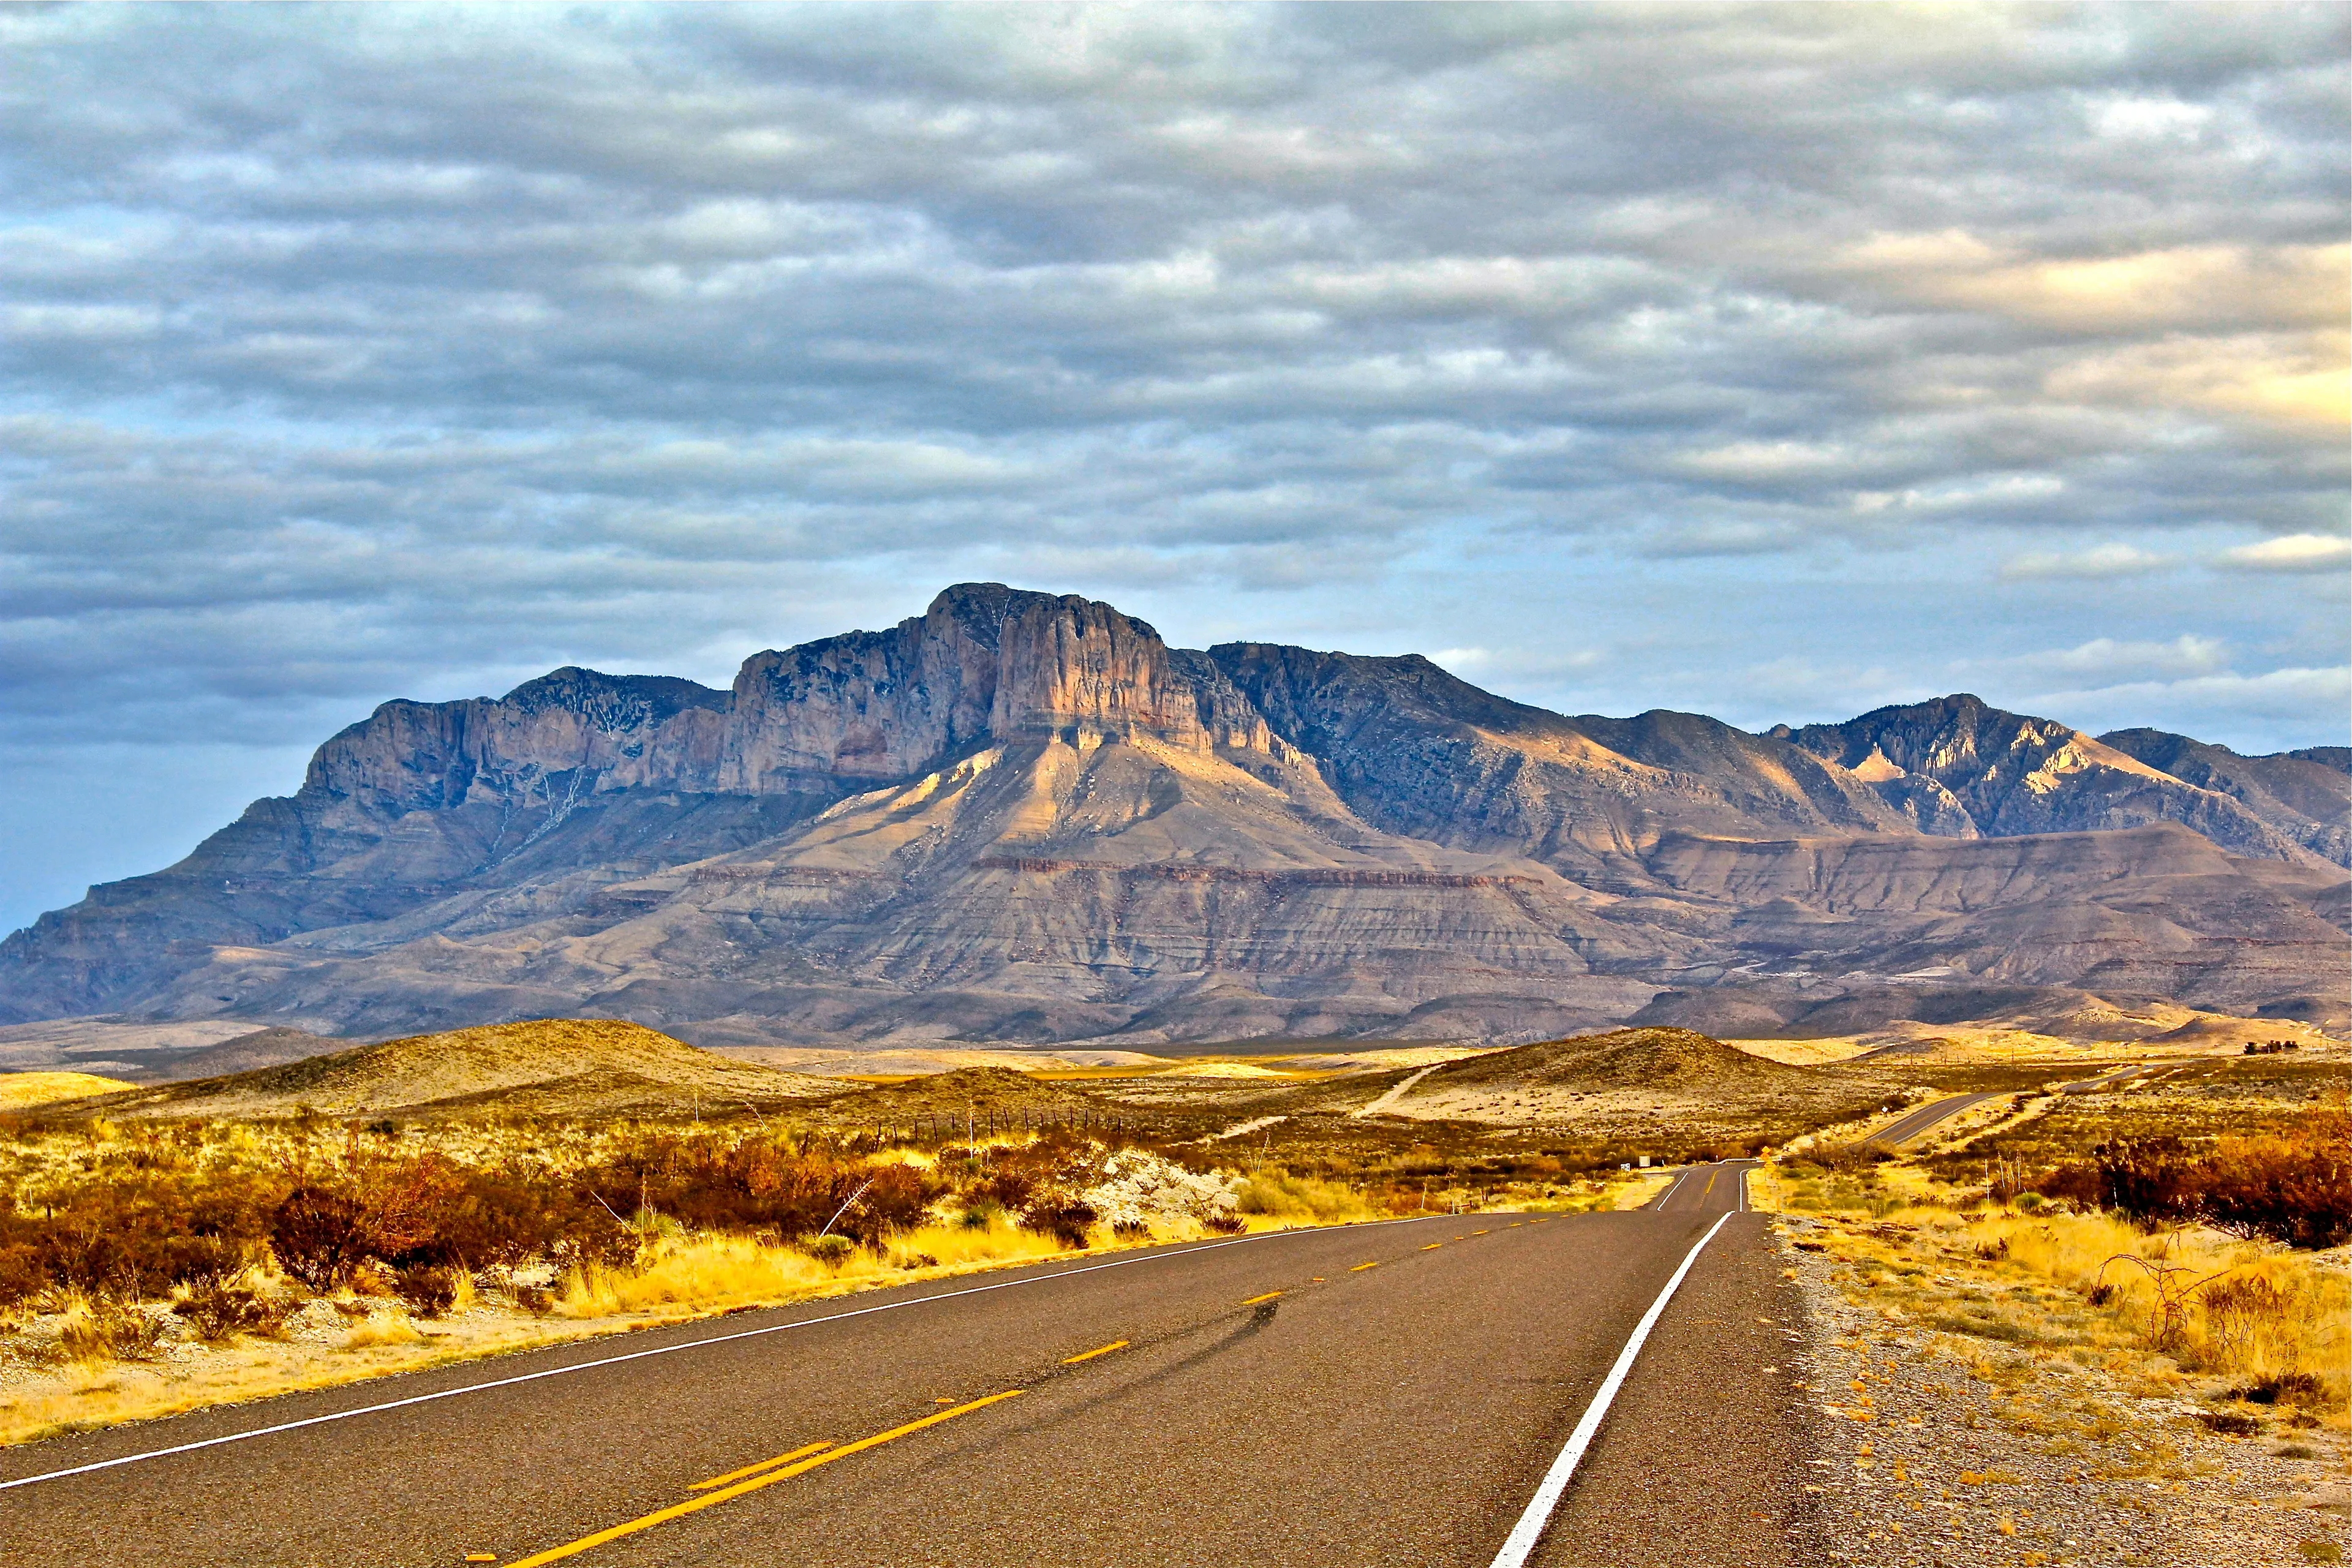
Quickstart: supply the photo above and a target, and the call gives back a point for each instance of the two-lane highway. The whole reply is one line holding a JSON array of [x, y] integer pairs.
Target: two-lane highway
[[1390, 1393], [1915, 1124]]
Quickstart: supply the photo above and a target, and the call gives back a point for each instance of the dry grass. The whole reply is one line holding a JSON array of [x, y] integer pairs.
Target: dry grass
[[22, 1090], [1278, 1194], [391, 1331], [2185, 1311], [722, 1273]]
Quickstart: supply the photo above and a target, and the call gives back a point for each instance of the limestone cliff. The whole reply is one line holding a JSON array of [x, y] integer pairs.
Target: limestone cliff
[[1022, 816]]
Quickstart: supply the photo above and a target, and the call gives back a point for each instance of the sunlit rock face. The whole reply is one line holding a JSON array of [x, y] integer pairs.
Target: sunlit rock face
[[985, 662], [1960, 767], [1022, 817]]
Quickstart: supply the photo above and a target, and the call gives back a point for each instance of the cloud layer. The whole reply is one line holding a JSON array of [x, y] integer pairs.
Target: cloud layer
[[1774, 361]]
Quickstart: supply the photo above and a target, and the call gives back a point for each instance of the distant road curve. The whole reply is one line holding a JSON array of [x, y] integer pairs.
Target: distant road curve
[[1936, 1112]]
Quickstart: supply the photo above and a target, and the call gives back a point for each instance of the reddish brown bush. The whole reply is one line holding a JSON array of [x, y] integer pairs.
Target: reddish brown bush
[[133, 1232], [2296, 1189], [319, 1236], [1059, 1214], [715, 1183]]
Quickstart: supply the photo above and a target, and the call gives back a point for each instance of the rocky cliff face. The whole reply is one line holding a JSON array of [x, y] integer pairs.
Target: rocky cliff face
[[1023, 815], [1960, 766], [2305, 795], [985, 662]]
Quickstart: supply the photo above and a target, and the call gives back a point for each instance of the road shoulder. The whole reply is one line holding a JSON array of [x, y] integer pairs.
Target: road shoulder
[[1706, 1455], [1967, 1452]]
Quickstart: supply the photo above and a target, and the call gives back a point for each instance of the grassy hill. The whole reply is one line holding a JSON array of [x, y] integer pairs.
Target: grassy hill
[[988, 1092], [21, 1090], [553, 1067], [1661, 1059], [1620, 1085]]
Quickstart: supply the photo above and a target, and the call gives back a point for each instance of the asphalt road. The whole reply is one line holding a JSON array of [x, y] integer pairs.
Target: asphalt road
[[1940, 1111], [1378, 1395]]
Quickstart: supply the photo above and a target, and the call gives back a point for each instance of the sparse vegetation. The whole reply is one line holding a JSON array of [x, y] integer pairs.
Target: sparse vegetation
[[345, 1246]]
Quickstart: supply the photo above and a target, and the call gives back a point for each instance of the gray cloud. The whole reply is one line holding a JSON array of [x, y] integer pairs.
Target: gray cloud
[[1769, 361]]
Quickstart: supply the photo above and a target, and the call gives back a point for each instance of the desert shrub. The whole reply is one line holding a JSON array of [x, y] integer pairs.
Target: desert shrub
[[1008, 1188], [2288, 1388], [428, 1289], [1843, 1159], [1281, 1196], [103, 1329], [831, 1248], [130, 1231], [219, 1310], [318, 1237], [484, 1218], [1223, 1224], [716, 1184], [1062, 1215], [2294, 1188]]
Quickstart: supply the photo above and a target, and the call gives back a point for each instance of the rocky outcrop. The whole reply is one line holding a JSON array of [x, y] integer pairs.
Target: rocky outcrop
[[2305, 795], [1419, 752], [1022, 816], [2004, 775], [985, 662]]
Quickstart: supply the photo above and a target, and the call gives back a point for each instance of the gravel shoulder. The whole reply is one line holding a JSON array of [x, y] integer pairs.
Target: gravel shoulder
[[1951, 1450]]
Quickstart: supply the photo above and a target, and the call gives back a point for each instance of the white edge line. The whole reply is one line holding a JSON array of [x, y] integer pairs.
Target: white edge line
[[1531, 1528], [666, 1349]]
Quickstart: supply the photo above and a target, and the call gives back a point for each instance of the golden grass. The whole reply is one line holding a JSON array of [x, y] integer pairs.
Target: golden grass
[[721, 1273], [21, 1090], [1275, 1194], [2159, 1307], [392, 1331]]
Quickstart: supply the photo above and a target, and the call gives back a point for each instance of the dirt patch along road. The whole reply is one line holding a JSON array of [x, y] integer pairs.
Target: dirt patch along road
[[1385, 1393]]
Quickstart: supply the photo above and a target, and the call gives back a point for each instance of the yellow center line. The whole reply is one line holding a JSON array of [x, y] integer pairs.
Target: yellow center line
[[1432, 1246], [1478, 1232], [1102, 1350], [1517, 1222], [1710, 1183], [1254, 1300], [1360, 1268], [708, 1499], [755, 1470]]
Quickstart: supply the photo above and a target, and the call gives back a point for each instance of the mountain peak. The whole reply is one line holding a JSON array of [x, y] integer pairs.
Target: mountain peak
[[1023, 815]]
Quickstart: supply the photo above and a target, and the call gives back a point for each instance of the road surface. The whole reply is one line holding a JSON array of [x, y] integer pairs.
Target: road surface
[[1374, 1394], [1940, 1111]]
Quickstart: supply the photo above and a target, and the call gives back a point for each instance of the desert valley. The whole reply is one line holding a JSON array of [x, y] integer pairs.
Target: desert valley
[[1011, 932], [1074, 785]]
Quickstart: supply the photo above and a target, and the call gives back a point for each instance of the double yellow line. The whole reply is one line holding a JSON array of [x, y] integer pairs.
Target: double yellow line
[[817, 1453], [802, 1460]]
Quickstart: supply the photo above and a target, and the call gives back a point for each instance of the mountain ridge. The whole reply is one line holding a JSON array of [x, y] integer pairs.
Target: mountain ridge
[[1023, 815]]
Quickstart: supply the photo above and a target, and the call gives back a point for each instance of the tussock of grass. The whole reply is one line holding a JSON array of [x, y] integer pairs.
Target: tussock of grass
[[1278, 1194], [382, 1332]]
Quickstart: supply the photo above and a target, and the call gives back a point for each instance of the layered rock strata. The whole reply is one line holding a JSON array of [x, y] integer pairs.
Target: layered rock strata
[[1020, 815]]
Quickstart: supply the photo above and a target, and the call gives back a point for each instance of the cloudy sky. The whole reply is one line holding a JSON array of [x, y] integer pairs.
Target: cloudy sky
[[1774, 362]]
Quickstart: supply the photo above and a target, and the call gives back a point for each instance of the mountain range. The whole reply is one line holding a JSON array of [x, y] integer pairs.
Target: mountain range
[[1022, 817]]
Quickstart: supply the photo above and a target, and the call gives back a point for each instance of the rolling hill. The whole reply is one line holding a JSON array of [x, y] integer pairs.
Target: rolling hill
[[554, 1068]]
